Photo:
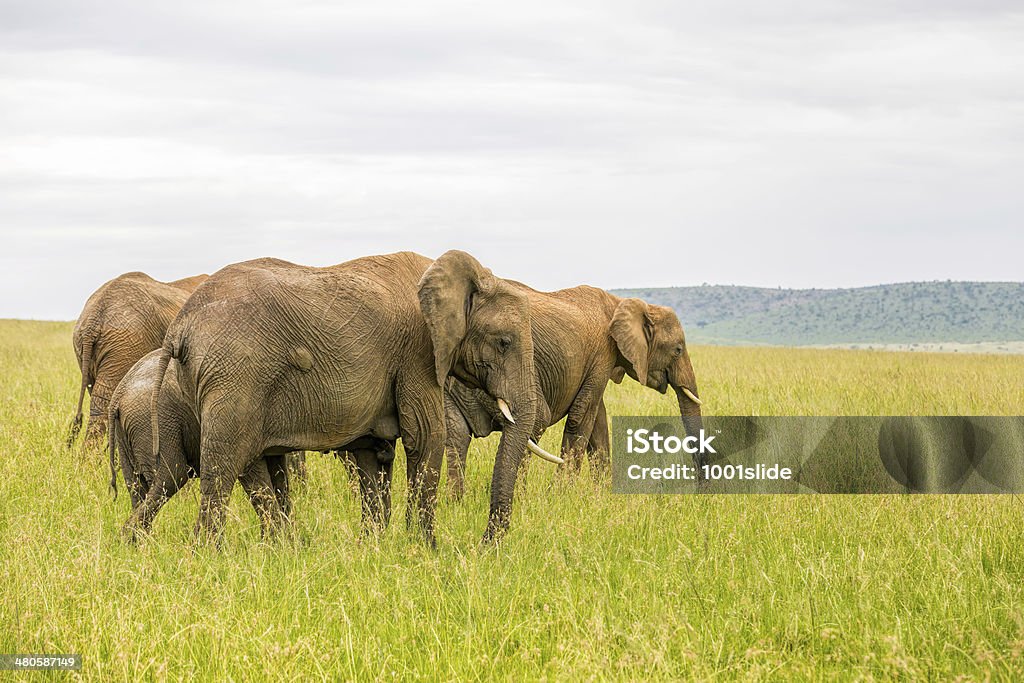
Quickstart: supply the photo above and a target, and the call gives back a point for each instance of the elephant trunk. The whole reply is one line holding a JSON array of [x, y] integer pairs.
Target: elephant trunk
[[690, 413], [684, 384], [513, 445], [515, 439]]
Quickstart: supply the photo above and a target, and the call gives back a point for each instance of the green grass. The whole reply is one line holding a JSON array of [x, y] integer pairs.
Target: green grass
[[587, 585]]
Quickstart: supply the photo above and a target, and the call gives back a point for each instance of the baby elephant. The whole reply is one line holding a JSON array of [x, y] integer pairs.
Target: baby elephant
[[152, 482]]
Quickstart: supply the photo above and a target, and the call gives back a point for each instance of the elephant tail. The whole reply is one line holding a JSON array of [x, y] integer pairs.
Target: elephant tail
[[165, 358], [86, 368], [114, 420]]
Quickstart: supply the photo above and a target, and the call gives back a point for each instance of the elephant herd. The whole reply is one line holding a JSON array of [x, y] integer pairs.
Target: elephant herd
[[223, 377]]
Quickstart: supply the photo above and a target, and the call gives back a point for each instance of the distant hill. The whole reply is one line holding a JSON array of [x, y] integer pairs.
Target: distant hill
[[906, 313]]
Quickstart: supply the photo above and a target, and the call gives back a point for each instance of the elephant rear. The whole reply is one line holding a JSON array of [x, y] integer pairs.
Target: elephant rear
[[131, 431], [121, 322]]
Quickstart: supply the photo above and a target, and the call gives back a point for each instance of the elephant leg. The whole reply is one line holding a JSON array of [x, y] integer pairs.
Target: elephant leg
[[456, 450], [167, 482], [348, 461], [99, 404], [224, 454], [424, 456], [96, 429], [386, 458], [423, 469], [257, 484], [278, 466], [297, 471], [571, 454], [599, 446], [421, 418], [373, 467], [137, 486], [134, 481], [579, 424]]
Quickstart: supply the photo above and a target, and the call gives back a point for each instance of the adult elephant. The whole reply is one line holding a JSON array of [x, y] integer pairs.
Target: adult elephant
[[582, 337], [122, 321], [282, 357]]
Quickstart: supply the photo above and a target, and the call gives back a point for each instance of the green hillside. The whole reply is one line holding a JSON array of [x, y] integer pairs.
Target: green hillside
[[906, 313]]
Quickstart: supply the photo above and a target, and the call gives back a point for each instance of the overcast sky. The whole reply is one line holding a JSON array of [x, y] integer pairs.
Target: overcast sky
[[619, 144]]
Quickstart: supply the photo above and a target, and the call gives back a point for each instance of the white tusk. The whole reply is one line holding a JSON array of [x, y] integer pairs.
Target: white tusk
[[503, 407], [690, 395], [543, 454]]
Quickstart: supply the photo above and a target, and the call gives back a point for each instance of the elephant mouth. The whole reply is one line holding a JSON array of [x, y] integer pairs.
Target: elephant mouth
[[506, 411], [692, 396], [662, 382]]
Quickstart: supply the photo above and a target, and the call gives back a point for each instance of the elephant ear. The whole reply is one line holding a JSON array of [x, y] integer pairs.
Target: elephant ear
[[446, 299], [632, 331]]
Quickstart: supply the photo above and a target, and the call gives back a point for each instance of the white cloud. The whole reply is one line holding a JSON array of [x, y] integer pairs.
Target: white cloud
[[651, 143]]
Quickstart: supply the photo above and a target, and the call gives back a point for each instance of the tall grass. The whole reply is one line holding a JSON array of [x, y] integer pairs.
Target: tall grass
[[586, 585]]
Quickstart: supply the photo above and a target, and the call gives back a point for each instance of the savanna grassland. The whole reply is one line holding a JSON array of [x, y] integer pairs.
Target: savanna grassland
[[587, 585]]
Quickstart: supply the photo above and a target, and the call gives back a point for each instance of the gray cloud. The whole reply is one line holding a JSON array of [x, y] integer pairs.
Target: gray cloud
[[650, 143]]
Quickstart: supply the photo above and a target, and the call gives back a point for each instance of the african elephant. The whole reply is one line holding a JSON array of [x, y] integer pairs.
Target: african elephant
[[122, 321], [582, 337], [130, 433], [282, 357]]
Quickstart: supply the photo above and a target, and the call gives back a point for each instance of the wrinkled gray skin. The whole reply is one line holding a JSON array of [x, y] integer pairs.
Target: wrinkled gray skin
[[582, 337], [122, 321], [130, 435], [282, 357]]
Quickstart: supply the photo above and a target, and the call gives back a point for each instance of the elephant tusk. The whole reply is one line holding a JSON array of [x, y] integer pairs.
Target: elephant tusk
[[503, 407], [690, 395], [543, 454]]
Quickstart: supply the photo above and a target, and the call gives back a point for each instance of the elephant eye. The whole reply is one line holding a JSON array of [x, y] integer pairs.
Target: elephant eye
[[503, 344], [678, 351]]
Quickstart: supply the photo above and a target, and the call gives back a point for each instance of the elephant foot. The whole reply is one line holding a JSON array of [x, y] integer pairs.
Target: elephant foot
[[600, 474], [280, 529], [492, 537], [570, 469], [497, 524], [455, 492], [414, 525], [373, 526], [298, 470], [203, 536], [132, 532]]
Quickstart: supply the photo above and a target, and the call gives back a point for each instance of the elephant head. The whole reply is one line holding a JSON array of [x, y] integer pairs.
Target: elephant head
[[480, 330], [651, 342]]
